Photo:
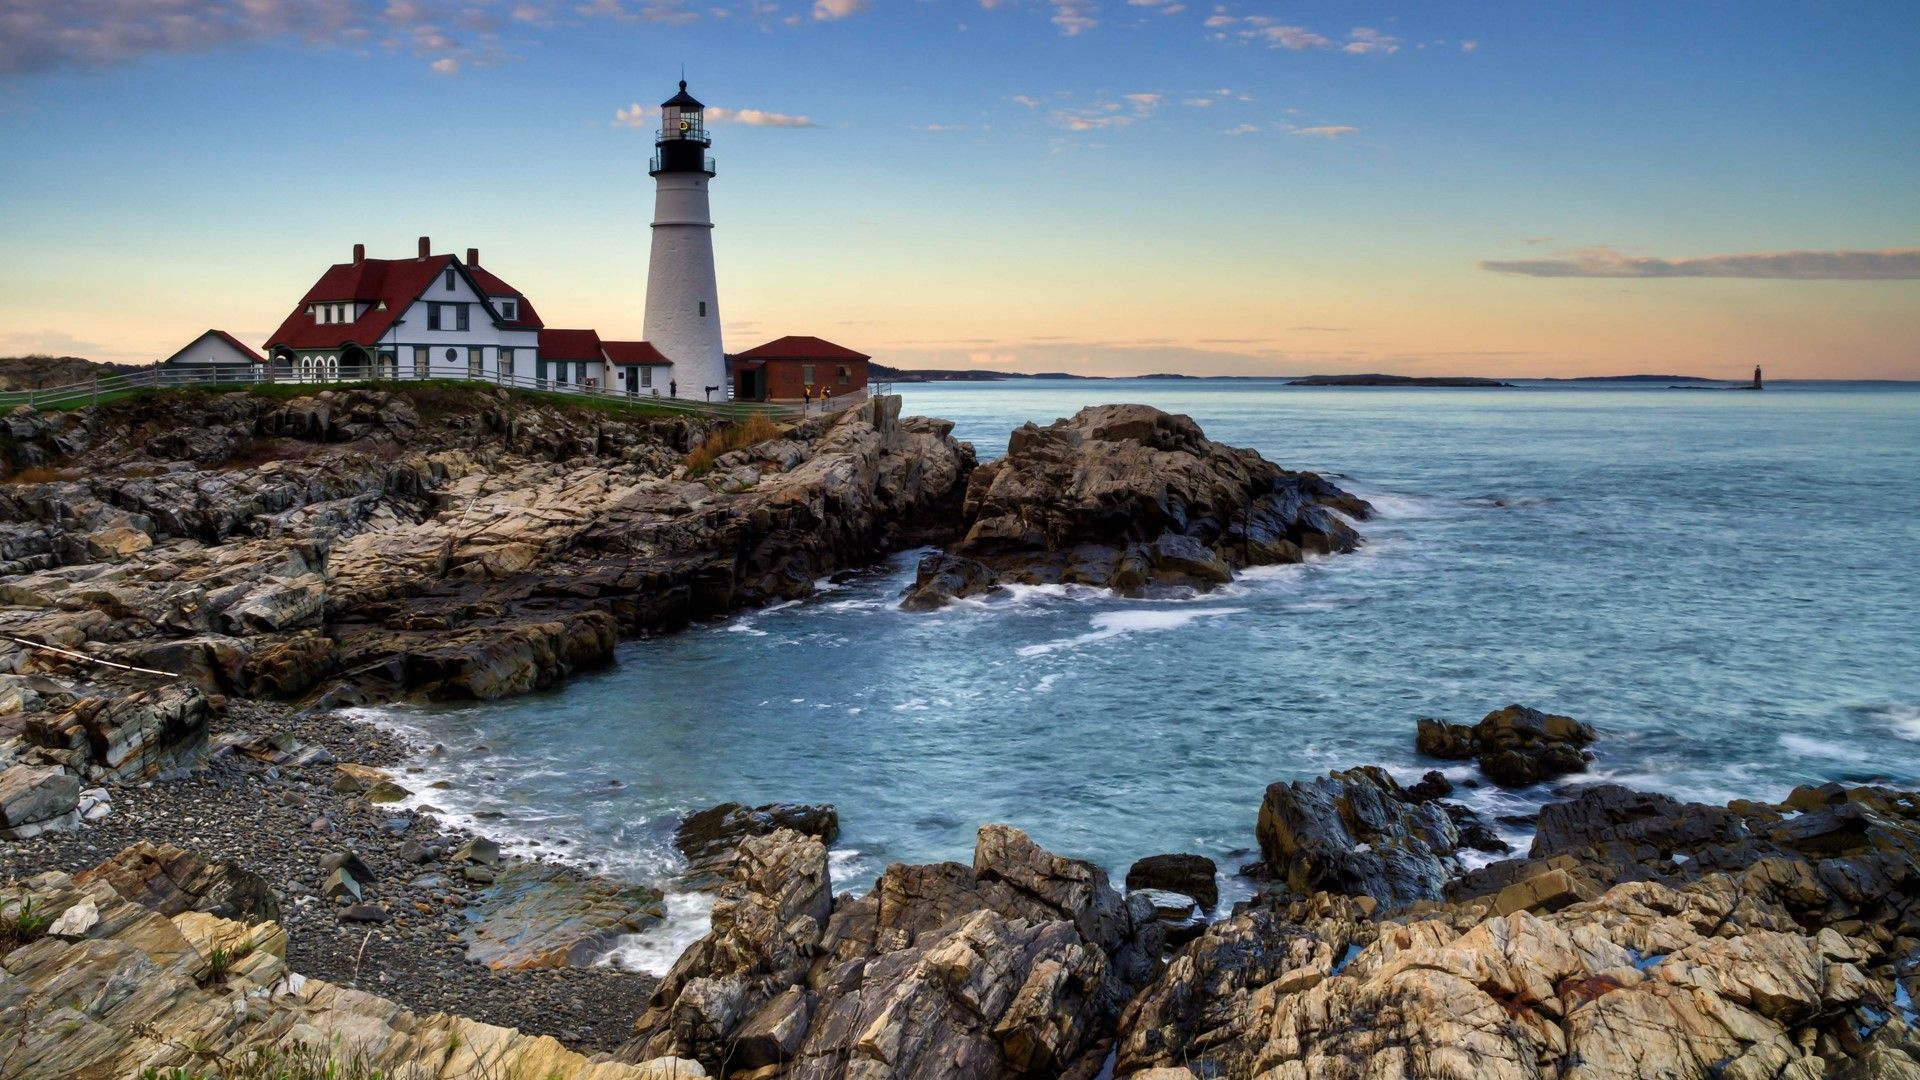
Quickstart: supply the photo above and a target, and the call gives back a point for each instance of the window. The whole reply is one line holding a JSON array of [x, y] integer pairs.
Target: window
[[510, 310], [806, 374], [433, 316], [505, 364], [459, 316], [843, 374], [340, 313], [580, 372], [453, 355], [389, 364], [560, 373], [539, 373], [703, 309], [449, 279], [420, 363], [476, 362], [646, 376]]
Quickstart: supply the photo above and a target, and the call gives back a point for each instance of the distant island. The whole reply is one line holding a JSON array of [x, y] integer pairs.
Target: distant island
[[1396, 380]]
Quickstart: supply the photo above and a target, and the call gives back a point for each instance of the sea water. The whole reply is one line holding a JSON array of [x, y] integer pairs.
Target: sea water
[[1726, 584]]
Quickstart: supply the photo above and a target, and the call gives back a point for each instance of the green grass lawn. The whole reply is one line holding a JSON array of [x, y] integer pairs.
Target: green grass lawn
[[430, 393]]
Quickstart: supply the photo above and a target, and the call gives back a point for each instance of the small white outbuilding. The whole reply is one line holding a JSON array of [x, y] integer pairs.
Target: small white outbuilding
[[219, 356]]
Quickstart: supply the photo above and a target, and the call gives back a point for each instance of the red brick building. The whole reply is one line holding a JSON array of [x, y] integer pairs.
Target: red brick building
[[794, 368]]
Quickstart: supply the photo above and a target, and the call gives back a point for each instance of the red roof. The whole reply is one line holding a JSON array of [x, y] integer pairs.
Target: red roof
[[236, 343], [491, 284], [396, 283], [799, 347], [569, 345], [632, 352]]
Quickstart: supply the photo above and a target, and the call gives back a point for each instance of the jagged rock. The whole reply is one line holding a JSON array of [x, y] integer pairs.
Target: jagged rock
[[130, 994], [1190, 875], [1644, 980], [1514, 746], [170, 881], [1356, 833], [709, 838], [131, 736], [538, 915], [1012, 967], [39, 799], [1129, 497]]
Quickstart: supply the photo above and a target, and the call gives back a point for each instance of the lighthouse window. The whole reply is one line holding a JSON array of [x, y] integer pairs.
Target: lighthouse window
[[459, 316], [433, 315], [449, 279], [703, 309]]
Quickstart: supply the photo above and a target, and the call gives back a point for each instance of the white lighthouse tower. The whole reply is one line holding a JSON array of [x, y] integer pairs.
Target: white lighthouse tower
[[683, 302]]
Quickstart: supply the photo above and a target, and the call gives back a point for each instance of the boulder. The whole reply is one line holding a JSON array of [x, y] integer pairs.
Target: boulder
[[1514, 747], [537, 915], [1134, 499], [1190, 875], [37, 799], [942, 578], [170, 880], [1357, 834]]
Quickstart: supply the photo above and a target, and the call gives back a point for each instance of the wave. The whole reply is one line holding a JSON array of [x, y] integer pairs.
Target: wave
[[1115, 624], [689, 917], [1903, 719], [1807, 746]]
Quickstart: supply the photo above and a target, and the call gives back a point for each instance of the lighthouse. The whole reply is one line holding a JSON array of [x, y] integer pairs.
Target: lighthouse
[[683, 302]]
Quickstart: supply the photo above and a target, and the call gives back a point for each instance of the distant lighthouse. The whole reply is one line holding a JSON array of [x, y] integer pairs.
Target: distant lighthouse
[[683, 302]]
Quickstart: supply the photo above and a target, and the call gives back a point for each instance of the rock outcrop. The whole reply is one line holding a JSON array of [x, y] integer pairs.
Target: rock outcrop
[[1015, 966], [1514, 746], [1131, 498], [539, 915], [113, 988], [1641, 936], [1357, 833]]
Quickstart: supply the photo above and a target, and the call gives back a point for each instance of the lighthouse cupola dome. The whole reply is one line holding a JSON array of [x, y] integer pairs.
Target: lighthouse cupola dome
[[682, 143]]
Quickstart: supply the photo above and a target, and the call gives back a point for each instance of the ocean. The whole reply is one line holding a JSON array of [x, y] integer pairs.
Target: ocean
[[1727, 585]]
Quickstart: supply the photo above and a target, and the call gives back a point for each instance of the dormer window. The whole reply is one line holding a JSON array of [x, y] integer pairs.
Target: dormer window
[[510, 310]]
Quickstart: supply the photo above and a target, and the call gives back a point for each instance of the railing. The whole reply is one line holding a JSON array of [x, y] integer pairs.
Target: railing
[[656, 166], [93, 391]]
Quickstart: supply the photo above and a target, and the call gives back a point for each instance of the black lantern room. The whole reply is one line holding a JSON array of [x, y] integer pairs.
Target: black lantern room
[[682, 143]]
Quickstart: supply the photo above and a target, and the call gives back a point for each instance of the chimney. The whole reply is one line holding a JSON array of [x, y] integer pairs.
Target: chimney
[[473, 256], [359, 254], [426, 246]]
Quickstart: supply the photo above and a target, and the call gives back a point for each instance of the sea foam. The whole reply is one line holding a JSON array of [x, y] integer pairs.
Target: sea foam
[[1113, 624]]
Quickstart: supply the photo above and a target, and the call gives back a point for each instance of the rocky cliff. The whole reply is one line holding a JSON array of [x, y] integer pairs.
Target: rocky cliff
[[363, 545]]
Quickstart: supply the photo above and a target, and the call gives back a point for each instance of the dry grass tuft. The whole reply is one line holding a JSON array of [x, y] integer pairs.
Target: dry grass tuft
[[741, 433]]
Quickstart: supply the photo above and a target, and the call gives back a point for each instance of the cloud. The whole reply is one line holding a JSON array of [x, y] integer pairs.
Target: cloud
[[1241, 129], [1297, 38], [1074, 17], [1890, 264], [1325, 131], [1143, 102], [758, 118], [1469, 45], [1022, 99], [830, 10], [446, 65], [637, 115], [1363, 40], [1198, 102]]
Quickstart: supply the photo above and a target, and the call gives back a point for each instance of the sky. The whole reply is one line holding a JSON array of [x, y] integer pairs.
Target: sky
[[1099, 186]]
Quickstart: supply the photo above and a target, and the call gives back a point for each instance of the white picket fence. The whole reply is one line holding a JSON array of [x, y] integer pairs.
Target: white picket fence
[[93, 391]]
